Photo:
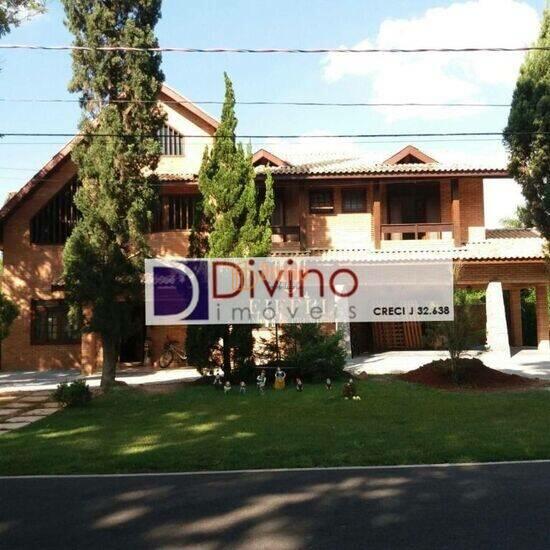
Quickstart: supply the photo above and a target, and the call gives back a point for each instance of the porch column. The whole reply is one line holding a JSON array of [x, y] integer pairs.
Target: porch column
[[376, 214], [543, 341], [303, 208], [345, 329], [455, 211], [516, 330], [497, 330]]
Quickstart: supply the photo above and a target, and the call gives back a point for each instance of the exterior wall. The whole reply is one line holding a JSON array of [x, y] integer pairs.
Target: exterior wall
[[194, 147], [29, 271], [472, 216], [340, 229]]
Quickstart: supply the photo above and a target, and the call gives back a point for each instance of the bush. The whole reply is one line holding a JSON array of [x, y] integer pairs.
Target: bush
[[312, 354], [75, 394]]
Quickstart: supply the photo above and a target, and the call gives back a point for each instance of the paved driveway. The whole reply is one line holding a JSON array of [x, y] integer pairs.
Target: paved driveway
[[16, 381], [525, 362], [454, 507]]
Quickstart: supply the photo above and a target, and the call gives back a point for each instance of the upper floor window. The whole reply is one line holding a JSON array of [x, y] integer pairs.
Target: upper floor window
[[175, 212], [321, 201], [353, 200], [54, 222], [50, 323], [171, 141]]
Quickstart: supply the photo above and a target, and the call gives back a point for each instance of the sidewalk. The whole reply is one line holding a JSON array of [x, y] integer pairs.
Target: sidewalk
[[27, 381]]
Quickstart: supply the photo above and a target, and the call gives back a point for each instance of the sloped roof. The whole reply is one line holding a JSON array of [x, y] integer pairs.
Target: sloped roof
[[363, 167], [14, 199], [410, 151], [490, 249], [511, 233]]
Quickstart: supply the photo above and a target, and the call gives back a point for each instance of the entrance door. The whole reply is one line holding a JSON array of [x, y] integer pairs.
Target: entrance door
[[131, 347]]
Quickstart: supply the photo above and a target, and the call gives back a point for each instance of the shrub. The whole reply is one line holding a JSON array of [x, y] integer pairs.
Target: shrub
[[8, 313], [312, 353], [75, 394]]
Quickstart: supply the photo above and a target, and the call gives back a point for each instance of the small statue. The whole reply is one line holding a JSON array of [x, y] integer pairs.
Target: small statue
[[242, 387], [328, 384], [261, 381], [299, 384], [349, 391], [227, 387], [280, 376], [218, 382]]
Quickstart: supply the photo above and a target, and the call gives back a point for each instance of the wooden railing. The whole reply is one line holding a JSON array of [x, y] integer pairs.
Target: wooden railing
[[415, 229], [286, 231]]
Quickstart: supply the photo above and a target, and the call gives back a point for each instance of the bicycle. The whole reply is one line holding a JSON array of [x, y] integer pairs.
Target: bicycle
[[171, 351]]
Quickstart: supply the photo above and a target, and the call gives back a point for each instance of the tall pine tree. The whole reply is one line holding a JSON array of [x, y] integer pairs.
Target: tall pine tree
[[103, 258], [527, 135], [232, 221]]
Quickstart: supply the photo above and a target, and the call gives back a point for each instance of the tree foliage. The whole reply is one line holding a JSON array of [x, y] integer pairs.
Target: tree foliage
[[232, 221], [527, 135], [521, 220], [103, 258], [8, 313], [14, 12]]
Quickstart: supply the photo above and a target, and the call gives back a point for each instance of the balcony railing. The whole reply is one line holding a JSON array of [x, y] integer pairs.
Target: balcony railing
[[416, 229]]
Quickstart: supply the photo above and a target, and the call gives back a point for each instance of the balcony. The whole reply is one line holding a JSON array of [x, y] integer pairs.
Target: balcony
[[285, 237], [399, 235]]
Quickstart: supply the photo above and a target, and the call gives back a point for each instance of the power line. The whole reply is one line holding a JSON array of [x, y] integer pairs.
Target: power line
[[265, 102], [279, 136], [270, 50]]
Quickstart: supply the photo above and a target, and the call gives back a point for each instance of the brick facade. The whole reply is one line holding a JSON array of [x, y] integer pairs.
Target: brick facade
[[31, 271]]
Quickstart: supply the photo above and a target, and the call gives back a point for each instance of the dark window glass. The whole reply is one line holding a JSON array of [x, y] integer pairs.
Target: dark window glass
[[353, 200], [50, 323], [321, 201], [54, 222], [174, 212], [278, 216], [171, 141]]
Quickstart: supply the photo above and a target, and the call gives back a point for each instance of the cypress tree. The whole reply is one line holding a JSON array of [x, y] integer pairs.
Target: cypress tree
[[103, 258], [527, 134], [232, 221]]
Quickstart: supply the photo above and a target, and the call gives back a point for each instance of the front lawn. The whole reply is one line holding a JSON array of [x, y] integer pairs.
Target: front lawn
[[198, 428]]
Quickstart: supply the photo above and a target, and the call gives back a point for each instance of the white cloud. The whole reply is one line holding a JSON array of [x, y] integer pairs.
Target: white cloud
[[441, 77]]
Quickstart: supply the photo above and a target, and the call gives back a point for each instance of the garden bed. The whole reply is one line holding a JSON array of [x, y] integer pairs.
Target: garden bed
[[472, 374]]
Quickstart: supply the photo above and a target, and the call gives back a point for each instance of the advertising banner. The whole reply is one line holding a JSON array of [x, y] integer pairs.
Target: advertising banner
[[296, 290]]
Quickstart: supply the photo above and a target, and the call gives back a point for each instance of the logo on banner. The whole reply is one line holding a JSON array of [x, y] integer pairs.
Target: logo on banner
[[181, 290]]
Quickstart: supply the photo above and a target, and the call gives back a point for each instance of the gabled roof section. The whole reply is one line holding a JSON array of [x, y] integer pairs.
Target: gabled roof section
[[262, 157], [195, 114], [410, 155]]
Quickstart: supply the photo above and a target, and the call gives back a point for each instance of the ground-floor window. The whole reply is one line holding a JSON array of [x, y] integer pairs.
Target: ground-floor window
[[50, 323]]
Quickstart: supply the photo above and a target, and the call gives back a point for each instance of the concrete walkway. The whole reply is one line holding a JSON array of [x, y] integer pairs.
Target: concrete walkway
[[527, 362], [23, 408], [25, 381]]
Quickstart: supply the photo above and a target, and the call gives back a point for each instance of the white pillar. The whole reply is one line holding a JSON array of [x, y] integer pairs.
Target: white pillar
[[497, 329], [345, 329]]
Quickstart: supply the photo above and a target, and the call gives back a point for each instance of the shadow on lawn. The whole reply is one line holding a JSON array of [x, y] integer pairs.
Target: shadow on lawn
[[420, 507]]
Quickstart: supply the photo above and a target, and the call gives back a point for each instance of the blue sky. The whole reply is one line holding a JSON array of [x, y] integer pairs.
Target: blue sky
[[292, 23]]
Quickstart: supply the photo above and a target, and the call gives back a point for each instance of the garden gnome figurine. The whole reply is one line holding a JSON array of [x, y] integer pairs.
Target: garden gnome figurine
[[280, 376], [299, 384], [261, 381], [242, 387], [328, 384], [349, 391], [227, 387]]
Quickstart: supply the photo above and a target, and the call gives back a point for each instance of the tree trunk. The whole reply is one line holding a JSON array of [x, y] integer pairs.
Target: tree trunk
[[108, 372], [226, 351]]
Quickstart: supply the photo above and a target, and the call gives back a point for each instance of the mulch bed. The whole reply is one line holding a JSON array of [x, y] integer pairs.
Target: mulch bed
[[473, 374]]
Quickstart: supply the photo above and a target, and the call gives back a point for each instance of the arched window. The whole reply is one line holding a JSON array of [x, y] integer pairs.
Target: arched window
[[54, 222], [171, 141]]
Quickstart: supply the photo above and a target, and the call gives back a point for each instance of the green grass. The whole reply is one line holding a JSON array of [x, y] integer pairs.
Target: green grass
[[198, 428]]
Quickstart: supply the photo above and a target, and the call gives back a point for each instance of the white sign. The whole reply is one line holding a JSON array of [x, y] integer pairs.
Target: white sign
[[296, 290]]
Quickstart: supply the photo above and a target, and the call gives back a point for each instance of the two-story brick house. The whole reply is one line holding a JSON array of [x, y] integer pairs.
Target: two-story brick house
[[406, 206]]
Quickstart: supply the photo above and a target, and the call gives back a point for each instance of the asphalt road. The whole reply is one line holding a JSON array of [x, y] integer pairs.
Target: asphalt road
[[477, 506]]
